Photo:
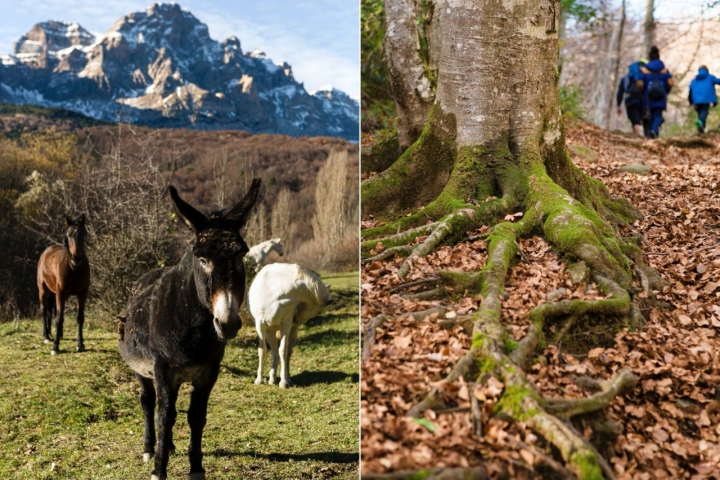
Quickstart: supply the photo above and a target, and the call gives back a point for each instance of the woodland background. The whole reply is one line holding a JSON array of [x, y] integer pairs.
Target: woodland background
[[54, 162]]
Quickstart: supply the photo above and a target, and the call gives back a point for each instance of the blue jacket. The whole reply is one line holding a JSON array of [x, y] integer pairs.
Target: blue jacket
[[655, 71], [702, 88]]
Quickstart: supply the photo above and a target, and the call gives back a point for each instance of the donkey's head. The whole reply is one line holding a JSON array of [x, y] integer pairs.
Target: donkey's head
[[218, 251], [74, 240]]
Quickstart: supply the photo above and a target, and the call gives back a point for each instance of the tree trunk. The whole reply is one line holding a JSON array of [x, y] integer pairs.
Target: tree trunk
[[407, 57], [493, 145], [648, 28]]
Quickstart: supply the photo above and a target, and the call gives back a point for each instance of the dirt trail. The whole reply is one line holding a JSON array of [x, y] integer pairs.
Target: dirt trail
[[666, 428]]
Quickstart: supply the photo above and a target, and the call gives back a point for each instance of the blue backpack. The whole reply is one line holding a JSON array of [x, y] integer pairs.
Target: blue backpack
[[632, 93]]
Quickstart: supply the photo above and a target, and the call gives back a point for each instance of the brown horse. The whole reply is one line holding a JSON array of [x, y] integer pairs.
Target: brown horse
[[64, 271]]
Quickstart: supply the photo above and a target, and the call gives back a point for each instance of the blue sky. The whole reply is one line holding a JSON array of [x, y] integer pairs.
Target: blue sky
[[319, 38]]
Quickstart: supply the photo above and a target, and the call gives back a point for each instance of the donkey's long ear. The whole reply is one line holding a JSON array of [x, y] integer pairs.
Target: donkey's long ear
[[68, 221], [187, 213], [81, 218], [241, 211]]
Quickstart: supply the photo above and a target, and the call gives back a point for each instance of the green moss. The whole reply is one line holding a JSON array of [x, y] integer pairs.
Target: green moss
[[588, 466], [421, 475], [511, 402], [510, 345], [461, 281], [418, 176]]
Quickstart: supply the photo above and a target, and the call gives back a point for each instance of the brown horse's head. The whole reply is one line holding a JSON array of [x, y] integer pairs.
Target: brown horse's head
[[218, 251], [74, 240]]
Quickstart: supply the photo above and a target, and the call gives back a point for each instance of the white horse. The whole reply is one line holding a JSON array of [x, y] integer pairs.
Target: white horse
[[257, 254], [282, 297]]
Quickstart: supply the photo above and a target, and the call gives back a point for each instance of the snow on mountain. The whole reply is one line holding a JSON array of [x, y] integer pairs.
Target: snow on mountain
[[159, 67]]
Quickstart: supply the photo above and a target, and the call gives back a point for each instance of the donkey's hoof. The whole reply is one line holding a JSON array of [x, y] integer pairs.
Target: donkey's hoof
[[284, 384], [147, 457], [171, 451], [53, 352], [46, 341], [81, 348], [158, 477], [197, 475], [258, 381]]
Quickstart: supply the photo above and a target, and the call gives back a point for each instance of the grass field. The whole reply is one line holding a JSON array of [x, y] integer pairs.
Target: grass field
[[77, 416]]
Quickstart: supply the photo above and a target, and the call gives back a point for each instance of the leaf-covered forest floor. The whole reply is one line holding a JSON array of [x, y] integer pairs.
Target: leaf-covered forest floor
[[666, 428]]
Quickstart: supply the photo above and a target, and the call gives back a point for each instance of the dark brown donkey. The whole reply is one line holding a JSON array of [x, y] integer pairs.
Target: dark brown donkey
[[64, 271], [177, 323]]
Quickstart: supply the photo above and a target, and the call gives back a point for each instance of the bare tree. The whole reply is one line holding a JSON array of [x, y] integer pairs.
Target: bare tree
[[648, 27], [222, 180], [335, 210], [281, 219]]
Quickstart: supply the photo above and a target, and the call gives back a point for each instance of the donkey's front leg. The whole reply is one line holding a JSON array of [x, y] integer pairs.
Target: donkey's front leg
[[147, 401], [197, 414], [82, 298], [60, 304], [166, 415]]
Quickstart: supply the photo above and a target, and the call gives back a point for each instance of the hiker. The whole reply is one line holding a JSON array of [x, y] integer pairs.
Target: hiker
[[655, 82], [633, 97], [702, 94]]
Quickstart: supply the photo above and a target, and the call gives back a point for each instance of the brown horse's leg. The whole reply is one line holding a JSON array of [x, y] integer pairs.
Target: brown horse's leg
[[81, 320], [197, 414], [47, 298], [60, 300]]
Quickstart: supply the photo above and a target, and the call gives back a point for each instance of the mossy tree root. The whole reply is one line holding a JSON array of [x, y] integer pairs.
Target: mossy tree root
[[575, 215]]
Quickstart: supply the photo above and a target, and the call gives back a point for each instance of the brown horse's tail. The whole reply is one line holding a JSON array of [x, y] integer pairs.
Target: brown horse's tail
[[121, 319]]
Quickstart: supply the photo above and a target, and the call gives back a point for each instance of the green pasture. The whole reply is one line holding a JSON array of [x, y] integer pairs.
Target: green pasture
[[77, 416]]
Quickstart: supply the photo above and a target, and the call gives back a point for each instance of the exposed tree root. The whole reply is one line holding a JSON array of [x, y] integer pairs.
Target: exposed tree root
[[577, 230], [619, 385]]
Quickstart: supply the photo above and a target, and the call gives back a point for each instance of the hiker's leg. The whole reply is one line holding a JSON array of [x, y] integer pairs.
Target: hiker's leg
[[634, 113], [656, 121], [703, 113]]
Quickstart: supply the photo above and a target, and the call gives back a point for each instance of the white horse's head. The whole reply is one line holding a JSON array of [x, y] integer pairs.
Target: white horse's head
[[277, 247]]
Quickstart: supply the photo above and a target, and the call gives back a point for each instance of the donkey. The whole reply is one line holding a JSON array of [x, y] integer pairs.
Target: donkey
[[257, 254], [178, 321], [283, 297], [64, 271]]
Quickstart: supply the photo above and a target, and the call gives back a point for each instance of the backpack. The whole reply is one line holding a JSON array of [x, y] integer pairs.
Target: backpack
[[656, 90], [632, 93]]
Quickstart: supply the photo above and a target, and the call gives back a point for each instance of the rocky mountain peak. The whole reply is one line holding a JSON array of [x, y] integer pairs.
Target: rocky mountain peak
[[52, 36], [159, 67]]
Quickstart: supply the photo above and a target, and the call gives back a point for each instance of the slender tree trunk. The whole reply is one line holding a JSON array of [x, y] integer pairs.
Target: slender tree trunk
[[648, 28], [562, 35], [615, 67]]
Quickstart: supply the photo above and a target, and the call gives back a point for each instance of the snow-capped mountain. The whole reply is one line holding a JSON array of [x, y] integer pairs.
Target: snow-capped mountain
[[161, 68]]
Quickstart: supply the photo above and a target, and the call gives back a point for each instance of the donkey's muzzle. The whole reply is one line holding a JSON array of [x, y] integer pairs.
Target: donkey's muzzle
[[227, 330]]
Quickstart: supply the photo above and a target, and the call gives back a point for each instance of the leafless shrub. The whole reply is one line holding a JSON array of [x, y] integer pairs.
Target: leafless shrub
[[129, 219], [336, 209]]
